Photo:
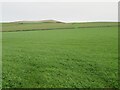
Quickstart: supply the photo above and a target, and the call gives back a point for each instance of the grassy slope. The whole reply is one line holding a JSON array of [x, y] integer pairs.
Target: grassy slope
[[81, 57], [21, 26]]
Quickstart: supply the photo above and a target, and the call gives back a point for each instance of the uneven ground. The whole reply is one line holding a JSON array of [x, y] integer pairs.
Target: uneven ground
[[73, 58], [52, 25]]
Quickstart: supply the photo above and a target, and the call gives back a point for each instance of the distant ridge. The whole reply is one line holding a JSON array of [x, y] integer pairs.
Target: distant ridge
[[41, 21]]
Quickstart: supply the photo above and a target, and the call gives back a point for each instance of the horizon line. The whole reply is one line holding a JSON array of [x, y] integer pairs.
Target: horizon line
[[57, 21]]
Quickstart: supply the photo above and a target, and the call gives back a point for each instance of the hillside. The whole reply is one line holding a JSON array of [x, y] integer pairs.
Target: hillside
[[51, 25]]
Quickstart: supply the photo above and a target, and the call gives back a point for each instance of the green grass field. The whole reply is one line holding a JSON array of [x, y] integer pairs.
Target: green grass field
[[60, 58]]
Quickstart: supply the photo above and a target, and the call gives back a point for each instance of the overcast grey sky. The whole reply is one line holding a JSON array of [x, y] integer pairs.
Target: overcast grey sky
[[63, 11]]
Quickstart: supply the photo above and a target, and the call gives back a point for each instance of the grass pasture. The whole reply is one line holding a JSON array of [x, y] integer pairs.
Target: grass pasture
[[64, 58]]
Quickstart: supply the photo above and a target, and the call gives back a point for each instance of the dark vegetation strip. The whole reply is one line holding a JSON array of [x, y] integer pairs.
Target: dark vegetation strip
[[99, 26], [62, 28]]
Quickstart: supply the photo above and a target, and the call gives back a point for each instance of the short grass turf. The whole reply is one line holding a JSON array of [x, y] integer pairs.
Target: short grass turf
[[66, 58]]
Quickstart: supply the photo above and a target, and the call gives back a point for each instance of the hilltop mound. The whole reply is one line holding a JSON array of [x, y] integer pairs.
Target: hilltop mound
[[41, 21], [51, 21]]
